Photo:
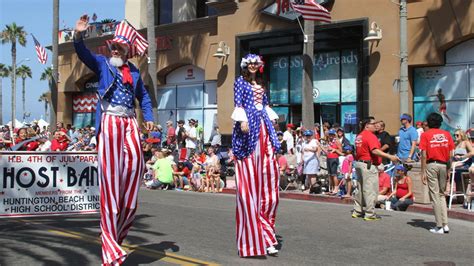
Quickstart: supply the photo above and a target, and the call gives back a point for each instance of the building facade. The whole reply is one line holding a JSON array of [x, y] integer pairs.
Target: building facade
[[352, 77]]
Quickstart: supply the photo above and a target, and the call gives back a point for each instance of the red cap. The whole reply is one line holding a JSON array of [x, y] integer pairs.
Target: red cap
[[419, 123], [291, 126]]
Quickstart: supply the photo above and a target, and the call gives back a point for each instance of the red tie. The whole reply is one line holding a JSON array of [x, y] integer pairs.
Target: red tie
[[126, 76]]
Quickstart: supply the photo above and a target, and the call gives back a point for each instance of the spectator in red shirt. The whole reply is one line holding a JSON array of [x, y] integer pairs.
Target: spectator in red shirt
[[402, 195], [368, 157], [384, 185], [170, 134], [60, 141], [437, 148]]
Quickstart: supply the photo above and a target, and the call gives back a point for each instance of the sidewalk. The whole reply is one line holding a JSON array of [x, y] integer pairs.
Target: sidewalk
[[456, 212]]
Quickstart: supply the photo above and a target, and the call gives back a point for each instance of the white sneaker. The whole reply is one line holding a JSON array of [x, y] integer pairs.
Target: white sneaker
[[437, 230], [446, 229], [272, 250]]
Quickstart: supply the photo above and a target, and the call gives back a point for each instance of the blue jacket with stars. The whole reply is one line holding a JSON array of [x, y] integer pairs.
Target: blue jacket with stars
[[107, 74], [244, 144]]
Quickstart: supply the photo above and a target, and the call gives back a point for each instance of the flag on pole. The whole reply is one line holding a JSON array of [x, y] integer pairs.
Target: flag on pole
[[94, 17], [311, 10], [126, 33], [40, 51]]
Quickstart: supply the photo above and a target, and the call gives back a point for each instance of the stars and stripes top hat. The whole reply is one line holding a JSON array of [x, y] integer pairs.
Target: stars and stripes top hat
[[127, 34]]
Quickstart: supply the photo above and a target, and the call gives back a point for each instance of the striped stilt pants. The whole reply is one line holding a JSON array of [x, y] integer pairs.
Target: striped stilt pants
[[257, 180], [120, 169]]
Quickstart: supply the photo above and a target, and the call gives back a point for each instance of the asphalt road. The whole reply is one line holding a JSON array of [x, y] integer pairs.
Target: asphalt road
[[189, 228]]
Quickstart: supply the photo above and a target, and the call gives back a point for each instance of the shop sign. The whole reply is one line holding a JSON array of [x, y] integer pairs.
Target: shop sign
[[185, 74], [321, 60], [283, 9]]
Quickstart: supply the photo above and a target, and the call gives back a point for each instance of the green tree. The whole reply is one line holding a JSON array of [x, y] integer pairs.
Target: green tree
[[44, 98], [3, 74], [13, 34], [48, 75], [23, 72]]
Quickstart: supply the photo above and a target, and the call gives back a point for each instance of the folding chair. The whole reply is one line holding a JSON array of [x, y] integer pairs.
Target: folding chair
[[452, 192]]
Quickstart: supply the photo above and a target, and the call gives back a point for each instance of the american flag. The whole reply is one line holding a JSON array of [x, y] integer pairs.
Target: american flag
[[311, 10], [40, 51], [126, 33]]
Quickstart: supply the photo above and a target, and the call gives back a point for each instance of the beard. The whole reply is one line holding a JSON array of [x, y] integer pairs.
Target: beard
[[116, 61]]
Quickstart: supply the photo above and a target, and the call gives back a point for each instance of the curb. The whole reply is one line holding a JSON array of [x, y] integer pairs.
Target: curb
[[417, 208]]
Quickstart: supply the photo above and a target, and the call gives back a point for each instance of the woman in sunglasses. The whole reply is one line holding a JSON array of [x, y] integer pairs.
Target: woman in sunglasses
[[462, 152]]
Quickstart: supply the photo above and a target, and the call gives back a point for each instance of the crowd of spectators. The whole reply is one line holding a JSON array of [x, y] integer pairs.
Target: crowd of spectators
[[323, 160], [317, 160]]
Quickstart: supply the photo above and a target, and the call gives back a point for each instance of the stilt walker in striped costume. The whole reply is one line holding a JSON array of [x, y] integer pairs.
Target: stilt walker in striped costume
[[120, 160], [254, 144]]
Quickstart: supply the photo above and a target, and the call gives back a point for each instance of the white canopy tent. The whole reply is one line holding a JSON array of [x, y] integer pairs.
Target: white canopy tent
[[42, 123], [18, 124]]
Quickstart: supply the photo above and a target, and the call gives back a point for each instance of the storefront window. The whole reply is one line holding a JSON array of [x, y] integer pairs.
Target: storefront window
[[167, 96], [444, 90], [349, 72], [296, 79], [190, 96], [165, 12], [326, 76], [279, 80], [335, 79]]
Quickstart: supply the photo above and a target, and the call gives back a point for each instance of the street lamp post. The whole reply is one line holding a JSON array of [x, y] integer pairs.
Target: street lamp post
[[14, 90], [404, 58]]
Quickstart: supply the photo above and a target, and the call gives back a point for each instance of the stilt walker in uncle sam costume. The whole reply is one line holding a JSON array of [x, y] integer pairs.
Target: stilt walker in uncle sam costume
[[120, 161], [254, 144]]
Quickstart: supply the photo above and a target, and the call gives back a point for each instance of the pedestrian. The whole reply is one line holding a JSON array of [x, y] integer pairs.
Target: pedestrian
[[437, 148], [386, 143], [368, 157], [191, 139], [120, 156], [408, 138], [170, 134], [254, 143], [288, 137]]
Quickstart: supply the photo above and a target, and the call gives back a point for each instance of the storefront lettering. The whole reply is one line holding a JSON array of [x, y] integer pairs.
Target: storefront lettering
[[321, 60]]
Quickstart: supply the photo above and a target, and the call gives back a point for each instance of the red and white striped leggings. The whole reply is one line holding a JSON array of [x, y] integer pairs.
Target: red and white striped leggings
[[257, 180], [120, 168]]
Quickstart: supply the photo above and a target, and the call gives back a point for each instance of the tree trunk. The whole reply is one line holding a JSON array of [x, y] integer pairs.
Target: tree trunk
[[46, 110], [54, 84], [23, 96], [13, 77]]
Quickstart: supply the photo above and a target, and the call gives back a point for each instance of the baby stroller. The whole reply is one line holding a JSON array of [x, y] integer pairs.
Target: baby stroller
[[289, 178]]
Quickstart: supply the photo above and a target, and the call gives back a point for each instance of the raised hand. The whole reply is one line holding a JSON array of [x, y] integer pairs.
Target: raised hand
[[82, 24]]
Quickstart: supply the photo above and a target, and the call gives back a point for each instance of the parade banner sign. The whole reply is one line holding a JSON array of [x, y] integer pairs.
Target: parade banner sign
[[42, 184]]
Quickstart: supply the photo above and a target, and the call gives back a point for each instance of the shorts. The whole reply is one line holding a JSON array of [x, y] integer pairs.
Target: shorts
[[332, 164]]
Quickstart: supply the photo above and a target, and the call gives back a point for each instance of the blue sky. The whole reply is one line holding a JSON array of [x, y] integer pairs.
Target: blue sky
[[36, 17]]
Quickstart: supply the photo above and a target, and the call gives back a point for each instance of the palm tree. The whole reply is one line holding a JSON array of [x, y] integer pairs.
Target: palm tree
[[23, 72], [13, 34], [44, 98], [3, 74], [48, 75]]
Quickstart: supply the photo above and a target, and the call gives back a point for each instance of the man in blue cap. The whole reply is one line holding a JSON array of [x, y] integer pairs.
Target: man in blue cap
[[408, 137]]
